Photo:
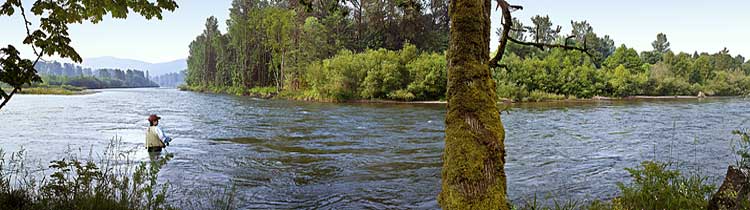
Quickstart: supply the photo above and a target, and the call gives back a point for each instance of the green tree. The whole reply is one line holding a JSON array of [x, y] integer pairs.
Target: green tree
[[203, 60], [702, 69], [651, 57], [224, 61], [580, 30], [622, 81], [279, 27], [584, 36], [661, 45], [312, 47], [724, 61], [542, 31], [625, 56], [52, 37]]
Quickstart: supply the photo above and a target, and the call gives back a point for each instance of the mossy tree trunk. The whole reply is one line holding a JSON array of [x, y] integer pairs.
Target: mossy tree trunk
[[473, 174]]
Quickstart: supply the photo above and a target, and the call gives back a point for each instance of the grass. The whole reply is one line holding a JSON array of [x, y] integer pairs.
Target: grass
[[113, 182], [261, 92], [52, 90], [539, 96], [306, 95], [401, 95]]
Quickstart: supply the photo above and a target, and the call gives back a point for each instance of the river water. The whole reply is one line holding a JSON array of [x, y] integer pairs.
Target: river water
[[288, 154]]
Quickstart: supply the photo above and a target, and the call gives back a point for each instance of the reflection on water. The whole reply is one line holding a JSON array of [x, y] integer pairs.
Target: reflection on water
[[283, 154]]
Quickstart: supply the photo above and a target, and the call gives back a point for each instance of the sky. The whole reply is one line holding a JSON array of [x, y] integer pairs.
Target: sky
[[690, 25], [135, 37]]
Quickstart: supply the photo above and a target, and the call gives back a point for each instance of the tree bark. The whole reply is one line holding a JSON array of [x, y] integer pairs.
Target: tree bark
[[473, 175]]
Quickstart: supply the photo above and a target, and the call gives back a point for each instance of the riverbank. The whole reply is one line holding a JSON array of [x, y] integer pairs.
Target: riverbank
[[55, 90], [270, 93], [256, 92]]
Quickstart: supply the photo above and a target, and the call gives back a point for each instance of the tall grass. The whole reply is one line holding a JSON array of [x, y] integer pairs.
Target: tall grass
[[261, 92], [44, 89], [114, 181]]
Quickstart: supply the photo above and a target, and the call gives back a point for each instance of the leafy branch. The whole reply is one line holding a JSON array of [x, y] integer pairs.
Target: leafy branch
[[52, 37]]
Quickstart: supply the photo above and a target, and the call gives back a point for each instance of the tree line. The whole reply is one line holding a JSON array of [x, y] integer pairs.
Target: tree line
[[331, 50], [659, 72], [273, 43], [55, 73]]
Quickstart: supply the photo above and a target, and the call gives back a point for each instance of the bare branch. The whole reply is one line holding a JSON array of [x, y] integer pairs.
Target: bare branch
[[27, 23], [38, 57], [568, 38], [507, 23], [518, 29], [543, 45]]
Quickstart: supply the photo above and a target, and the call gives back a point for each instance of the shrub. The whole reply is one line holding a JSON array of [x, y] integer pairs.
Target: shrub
[[510, 90], [741, 149], [538, 96], [263, 91], [654, 186], [401, 95], [234, 90], [429, 76]]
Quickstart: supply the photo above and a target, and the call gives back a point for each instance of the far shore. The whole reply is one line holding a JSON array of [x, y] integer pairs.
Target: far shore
[[59, 90], [55, 91], [595, 99]]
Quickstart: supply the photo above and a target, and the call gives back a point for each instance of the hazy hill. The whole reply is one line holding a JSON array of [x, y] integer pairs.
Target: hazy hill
[[154, 69]]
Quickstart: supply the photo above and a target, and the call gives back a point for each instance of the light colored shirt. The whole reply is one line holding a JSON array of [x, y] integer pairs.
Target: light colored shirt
[[163, 137]]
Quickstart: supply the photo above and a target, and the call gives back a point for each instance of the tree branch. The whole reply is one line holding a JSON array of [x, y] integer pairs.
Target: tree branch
[[6, 99], [507, 23], [544, 45], [3, 95], [26, 24]]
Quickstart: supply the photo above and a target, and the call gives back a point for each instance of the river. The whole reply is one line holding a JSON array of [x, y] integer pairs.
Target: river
[[289, 154]]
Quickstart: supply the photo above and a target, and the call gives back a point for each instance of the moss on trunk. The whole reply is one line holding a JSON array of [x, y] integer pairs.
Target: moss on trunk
[[473, 174]]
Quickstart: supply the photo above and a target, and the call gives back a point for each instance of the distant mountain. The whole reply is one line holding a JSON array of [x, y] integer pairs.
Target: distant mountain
[[154, 69]]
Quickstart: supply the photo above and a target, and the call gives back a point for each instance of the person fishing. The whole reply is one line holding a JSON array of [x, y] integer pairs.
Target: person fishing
[[155, 137]]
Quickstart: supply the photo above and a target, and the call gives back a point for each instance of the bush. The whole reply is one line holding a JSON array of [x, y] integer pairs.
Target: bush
[[538, 96], [656, 187], [401, 95], [388, 74], [234, 90], [429, 76], [374, 74], [741, 149], [509, 90], [674, 86], [263, 91]]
